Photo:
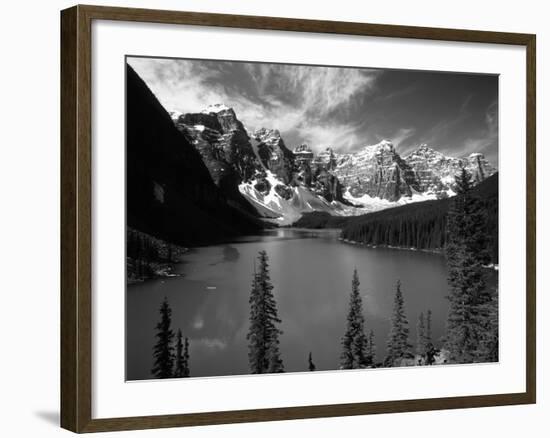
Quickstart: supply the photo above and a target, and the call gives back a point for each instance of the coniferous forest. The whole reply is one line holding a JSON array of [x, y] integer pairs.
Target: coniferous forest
[[420, 225], [169, 360], [148, 257], [424, 225]]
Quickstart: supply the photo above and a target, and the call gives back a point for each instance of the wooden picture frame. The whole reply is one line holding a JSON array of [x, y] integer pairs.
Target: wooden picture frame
[[76, 218]]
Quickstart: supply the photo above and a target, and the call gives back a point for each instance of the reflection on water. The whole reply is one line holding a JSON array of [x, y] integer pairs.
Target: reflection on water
[[229, 254], [311, 272]]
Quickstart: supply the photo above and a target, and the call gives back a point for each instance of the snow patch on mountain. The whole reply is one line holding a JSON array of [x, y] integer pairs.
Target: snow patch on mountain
[[368, 203], [215, 108], [275, 208]]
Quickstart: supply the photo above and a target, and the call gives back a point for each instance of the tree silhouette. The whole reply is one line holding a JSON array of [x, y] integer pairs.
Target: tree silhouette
[[371, 349], [467, 252], [398, 346], [182, 356], [263, 334], [310, 364], [354, 342], [421, 338], [429, 326], [186, 369], [163, 351]]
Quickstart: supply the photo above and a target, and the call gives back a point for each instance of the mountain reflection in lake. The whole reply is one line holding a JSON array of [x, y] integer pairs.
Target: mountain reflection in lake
[[311, 272]]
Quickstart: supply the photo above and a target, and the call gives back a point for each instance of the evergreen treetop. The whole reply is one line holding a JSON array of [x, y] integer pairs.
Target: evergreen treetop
[[310, 364], [163, 351], [398, 346], [469, 297], [354, 342], [182, 356], [263, 334]]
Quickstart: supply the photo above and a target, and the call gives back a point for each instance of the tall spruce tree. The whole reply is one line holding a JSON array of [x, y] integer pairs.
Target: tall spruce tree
[[186, 369], [182, 356], [421, 337], [489, 351], [371, 349], [430, 347], [398, 347], [178, 371], [263, 334], [466, 251], [354, 342], [163, 351], [429, 326], [310, 364]]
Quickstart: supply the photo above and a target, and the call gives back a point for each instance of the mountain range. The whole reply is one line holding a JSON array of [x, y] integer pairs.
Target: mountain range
[[257, 169], [199, 178]]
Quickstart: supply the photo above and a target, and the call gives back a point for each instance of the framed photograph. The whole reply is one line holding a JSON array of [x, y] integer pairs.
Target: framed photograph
[[270, 218]]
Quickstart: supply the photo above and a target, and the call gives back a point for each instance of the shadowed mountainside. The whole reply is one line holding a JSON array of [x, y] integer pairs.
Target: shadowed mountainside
[[170, 193]]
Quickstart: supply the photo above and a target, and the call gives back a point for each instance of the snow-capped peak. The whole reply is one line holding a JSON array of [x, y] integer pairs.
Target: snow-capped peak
[[425, 152], [385, 143], [215, 108], [174, 115]]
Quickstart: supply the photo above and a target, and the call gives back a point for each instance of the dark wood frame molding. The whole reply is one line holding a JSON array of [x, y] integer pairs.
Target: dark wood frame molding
[[76, 225]]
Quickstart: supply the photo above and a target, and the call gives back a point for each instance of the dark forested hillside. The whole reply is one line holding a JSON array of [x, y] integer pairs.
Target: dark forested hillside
[[170, 193], [320, 219], [422, 225]]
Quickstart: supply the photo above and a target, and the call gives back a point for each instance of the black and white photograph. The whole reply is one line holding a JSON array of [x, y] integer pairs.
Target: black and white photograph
[[286, 218]]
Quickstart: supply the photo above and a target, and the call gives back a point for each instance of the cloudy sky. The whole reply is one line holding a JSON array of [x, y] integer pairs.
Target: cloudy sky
[[345, 108]]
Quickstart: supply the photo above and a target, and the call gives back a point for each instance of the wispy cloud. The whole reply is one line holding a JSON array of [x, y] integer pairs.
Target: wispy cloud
[[344, 136], [179, 84], [402, 135], [309, 101], [399, 93], [488, 137], [441, 131], [345, 108]]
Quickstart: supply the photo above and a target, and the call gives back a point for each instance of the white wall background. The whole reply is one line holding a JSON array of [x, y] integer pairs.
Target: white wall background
[[29, 217]]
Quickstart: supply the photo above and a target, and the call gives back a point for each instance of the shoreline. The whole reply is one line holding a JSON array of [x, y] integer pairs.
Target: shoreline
[[439, 251], [402, 248]]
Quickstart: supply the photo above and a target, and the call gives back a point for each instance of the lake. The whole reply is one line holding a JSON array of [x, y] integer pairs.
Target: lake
[[311, 271]]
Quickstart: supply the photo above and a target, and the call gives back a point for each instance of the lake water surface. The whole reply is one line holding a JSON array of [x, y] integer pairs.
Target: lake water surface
[[311, 272]]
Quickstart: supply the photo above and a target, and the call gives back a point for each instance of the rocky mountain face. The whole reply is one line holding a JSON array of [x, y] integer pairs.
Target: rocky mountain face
[[379, 171], [256, 170], [224, 146], [274, 154], [435, 172], [376, 171], [170, 192]]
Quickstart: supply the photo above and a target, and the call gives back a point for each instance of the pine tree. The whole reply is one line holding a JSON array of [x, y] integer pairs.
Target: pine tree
[[354, 342], [310, 364], [186, 369], [178, 371], [466, 252], [182, 356], [421, 338], [398, 346], [429, 327], [489, 351], [163, 351], [371, 349], [263, 334]]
